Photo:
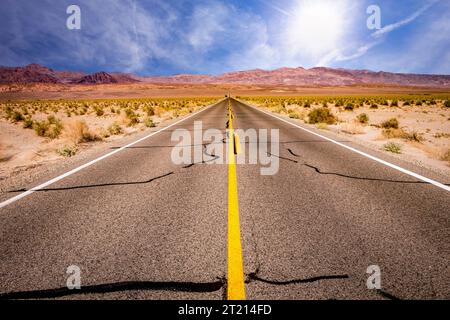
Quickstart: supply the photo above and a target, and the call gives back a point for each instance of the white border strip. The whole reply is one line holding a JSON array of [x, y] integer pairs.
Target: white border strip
[[65, 175], [388, 164]]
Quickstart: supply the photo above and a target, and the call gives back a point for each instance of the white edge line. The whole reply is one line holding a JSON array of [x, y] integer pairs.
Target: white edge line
[[393, 166], [84, 166]]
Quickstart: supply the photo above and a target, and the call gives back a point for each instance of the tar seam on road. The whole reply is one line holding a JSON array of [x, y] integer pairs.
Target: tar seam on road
[[118, 287], [388, 164], [86, 165], [236, 286]]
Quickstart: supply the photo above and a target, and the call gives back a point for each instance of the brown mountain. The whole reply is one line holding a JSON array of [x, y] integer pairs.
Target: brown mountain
[[29, 74], [98, 78], [35, 73], [310, 77]]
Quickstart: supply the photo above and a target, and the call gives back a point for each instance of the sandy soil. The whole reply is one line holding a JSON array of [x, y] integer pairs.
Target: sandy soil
[[22, 149], [430, 123], [46, 91]]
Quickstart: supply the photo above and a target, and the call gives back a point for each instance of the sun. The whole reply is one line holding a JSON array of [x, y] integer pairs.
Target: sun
[[316, 26]]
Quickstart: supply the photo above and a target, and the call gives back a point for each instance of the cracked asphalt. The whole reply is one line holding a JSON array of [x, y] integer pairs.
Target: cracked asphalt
[[141, 227]]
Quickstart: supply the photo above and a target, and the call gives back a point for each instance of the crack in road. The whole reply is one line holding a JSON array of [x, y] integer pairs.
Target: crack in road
[[387, 295], [99, 185], [214, 157], [319, 171], [282, 158], [255, 277], [196, 287]]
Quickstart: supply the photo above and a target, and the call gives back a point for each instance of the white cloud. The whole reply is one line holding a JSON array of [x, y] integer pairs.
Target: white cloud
[[426, 51], [339, 55], [206, 36], [404, 22], [255, 51], [206, 22]]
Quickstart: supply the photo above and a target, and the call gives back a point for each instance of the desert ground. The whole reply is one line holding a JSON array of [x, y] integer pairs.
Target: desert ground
[[43, 124], [413, 126], [37, 132]]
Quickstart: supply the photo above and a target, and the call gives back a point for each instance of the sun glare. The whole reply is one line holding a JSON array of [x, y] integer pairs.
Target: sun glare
[[317, 26]]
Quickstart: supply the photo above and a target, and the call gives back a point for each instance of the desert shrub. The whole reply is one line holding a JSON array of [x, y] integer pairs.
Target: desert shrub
[[149, 122], [17, 117], [150, 111], [293, 114], [394, 103], [55, 127], [41, 128], [393, 147], [8, 112], [349, 107], [176, 113], [99, 111], [322, 115], [390, 124], [363, 118], [352, 128], [115, 129], [413, 136], [68, 151], [406, 103], [28, 123], [132, 117], [322, 126], [447, 104], [394, 133], [446, 156], [374, 106], [51, 128], [79, 132], [52, 119]]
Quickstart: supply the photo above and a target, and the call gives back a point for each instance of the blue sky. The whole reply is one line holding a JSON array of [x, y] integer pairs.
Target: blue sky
[[161, 37]]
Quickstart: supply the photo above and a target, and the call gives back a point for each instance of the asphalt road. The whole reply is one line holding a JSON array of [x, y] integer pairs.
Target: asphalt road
[[141, 227]]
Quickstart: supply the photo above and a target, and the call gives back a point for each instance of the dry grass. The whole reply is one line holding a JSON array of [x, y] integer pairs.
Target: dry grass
[[78, 132], [322, 115], [446, 156], [363, 118], [412, 136], [352, 128], [322, 126], [115, 129], [68, 151], [393, 147], [391, 124], [393, 133]]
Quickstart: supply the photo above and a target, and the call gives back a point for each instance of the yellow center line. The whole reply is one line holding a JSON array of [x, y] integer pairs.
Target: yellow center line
[[236, 287]]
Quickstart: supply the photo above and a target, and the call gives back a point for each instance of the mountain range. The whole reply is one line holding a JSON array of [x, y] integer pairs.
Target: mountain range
[[35, 73]]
